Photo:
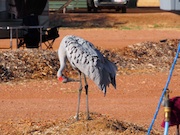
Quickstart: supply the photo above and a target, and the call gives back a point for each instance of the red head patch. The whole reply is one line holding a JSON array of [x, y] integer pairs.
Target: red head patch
[[60, 78]]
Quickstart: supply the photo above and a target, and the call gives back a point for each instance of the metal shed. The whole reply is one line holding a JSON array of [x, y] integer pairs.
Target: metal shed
[[170, 4]]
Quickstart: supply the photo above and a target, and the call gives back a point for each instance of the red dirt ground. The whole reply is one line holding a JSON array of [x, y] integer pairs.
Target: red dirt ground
[[135, 99]]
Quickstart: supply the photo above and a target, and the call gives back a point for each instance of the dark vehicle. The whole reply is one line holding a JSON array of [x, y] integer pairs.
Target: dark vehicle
[[95, 5]]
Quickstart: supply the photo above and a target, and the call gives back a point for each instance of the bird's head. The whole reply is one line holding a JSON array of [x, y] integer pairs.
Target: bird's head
[[63, 79]]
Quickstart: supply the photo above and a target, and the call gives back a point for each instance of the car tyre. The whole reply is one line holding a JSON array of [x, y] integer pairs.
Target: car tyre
[[90, 6]]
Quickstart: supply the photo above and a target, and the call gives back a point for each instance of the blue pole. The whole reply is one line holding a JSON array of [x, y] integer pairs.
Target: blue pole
[[166, 128], [164, 90]]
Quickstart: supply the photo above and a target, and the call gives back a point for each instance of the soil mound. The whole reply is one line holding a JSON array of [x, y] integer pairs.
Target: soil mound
[[98, 125]]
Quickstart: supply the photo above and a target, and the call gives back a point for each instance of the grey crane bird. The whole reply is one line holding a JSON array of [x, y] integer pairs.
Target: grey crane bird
[[87, 60]]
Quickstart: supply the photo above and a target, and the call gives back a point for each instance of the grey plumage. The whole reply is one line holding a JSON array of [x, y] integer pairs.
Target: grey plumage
[[85, 58]]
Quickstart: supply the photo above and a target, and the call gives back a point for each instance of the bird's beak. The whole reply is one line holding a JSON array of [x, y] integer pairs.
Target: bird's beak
[[72, 80]]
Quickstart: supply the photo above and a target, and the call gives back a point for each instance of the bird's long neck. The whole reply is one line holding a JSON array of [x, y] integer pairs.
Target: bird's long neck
[[62, 59]]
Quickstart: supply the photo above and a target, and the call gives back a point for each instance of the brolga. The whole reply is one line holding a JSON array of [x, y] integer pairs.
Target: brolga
[[88, 61]]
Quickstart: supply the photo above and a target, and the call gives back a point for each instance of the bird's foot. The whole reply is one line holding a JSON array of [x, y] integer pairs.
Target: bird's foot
[[72, 80], [76, 117], [88, 117]]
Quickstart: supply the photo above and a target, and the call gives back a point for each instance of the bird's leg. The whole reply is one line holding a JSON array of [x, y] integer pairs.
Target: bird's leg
[[79, 96], [87, 104]]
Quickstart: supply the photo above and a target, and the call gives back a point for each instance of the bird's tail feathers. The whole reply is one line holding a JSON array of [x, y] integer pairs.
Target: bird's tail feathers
[[110, 68], [103, 88], [113, 82], [104, 75]]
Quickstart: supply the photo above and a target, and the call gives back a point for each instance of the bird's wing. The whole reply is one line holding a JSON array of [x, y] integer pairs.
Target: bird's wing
[[79, 47]]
